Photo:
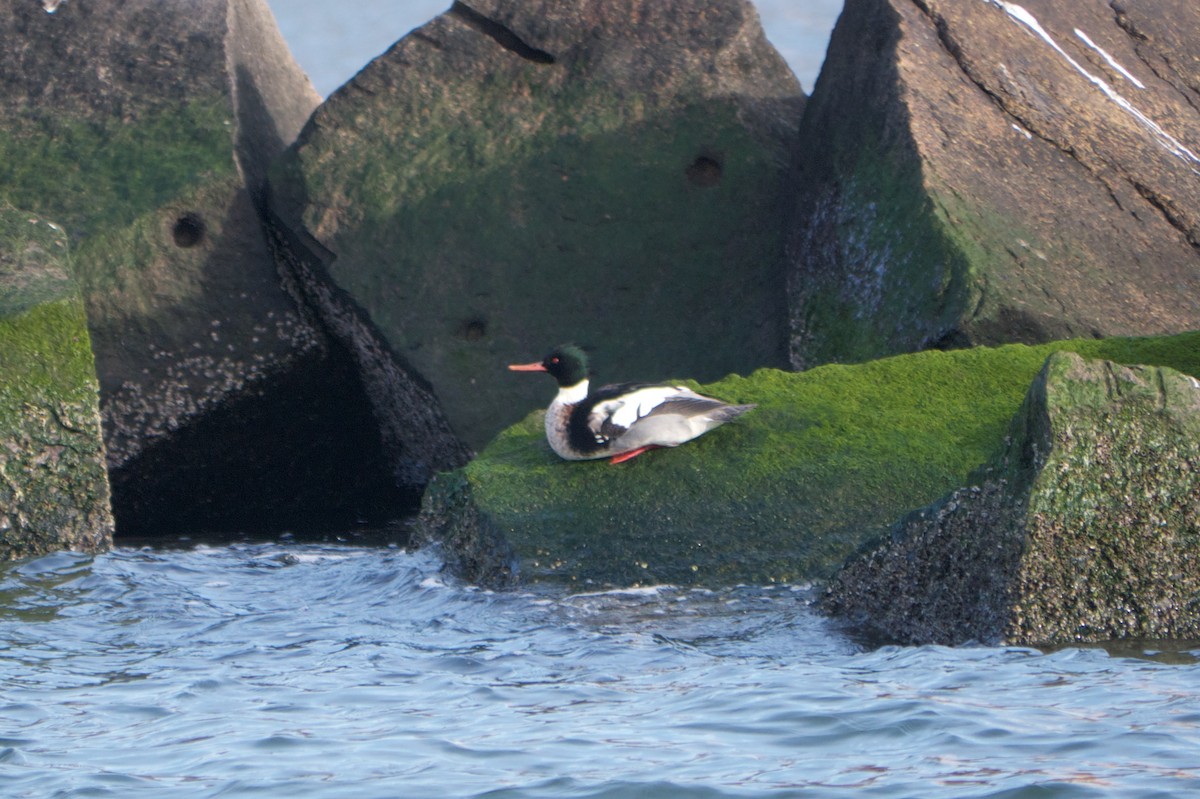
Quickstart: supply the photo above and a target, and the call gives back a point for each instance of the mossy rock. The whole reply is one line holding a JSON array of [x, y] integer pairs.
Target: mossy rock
[[1086, 527], [514, 174], [146, 129], [829, 460], [53, 485]]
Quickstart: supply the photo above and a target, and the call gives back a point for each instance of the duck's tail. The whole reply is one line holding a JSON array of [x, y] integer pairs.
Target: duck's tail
[[727, 412]]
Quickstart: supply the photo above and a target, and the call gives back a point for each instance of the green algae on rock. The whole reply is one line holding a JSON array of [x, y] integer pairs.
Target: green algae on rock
[[1085, 528], [53, 485], [825, 465]]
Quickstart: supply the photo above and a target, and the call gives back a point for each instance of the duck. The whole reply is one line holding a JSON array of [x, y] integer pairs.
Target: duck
[[624, 420]]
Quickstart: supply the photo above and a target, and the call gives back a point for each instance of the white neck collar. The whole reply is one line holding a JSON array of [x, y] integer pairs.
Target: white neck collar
[[570, 395]]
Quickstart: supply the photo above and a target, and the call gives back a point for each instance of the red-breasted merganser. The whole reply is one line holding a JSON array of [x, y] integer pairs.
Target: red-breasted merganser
[[620, 421]]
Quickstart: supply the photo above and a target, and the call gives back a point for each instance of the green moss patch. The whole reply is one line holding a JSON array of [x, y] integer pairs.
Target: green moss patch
[[93, 176], [106, 182], [141, 272], [1114, 510], [830, 459], [44, 345], [1085, 527], [53, 484], [46, 351]]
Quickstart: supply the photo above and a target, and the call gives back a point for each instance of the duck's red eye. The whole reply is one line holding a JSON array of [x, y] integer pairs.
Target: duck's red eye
[[554, 360]]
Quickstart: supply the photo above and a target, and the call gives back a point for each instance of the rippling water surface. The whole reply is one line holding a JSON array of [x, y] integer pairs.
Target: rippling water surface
[[301, 670]]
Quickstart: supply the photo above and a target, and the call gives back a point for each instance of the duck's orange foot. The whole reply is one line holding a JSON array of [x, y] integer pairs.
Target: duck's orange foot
[[631, 454]]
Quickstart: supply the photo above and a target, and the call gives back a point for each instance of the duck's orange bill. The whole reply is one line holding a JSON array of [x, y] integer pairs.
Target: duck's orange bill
[[526, 367]]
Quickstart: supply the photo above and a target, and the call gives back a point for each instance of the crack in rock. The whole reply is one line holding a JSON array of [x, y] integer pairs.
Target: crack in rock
[[1153, 198], [1186, 90], [503, 36]]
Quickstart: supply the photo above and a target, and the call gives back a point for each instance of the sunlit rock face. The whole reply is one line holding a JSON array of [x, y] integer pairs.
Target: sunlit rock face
[[514, 175], [981, 171]]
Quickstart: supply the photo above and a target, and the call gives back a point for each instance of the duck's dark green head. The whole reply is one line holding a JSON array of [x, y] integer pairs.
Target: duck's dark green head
[[567, 364]]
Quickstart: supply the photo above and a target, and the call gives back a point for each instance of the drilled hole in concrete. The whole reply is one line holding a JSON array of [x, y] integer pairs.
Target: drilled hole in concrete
[[473, 329], [188, 231], [704, 171]]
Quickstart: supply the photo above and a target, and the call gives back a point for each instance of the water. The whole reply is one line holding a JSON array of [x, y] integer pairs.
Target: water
[[332, 44], [318, 670]]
